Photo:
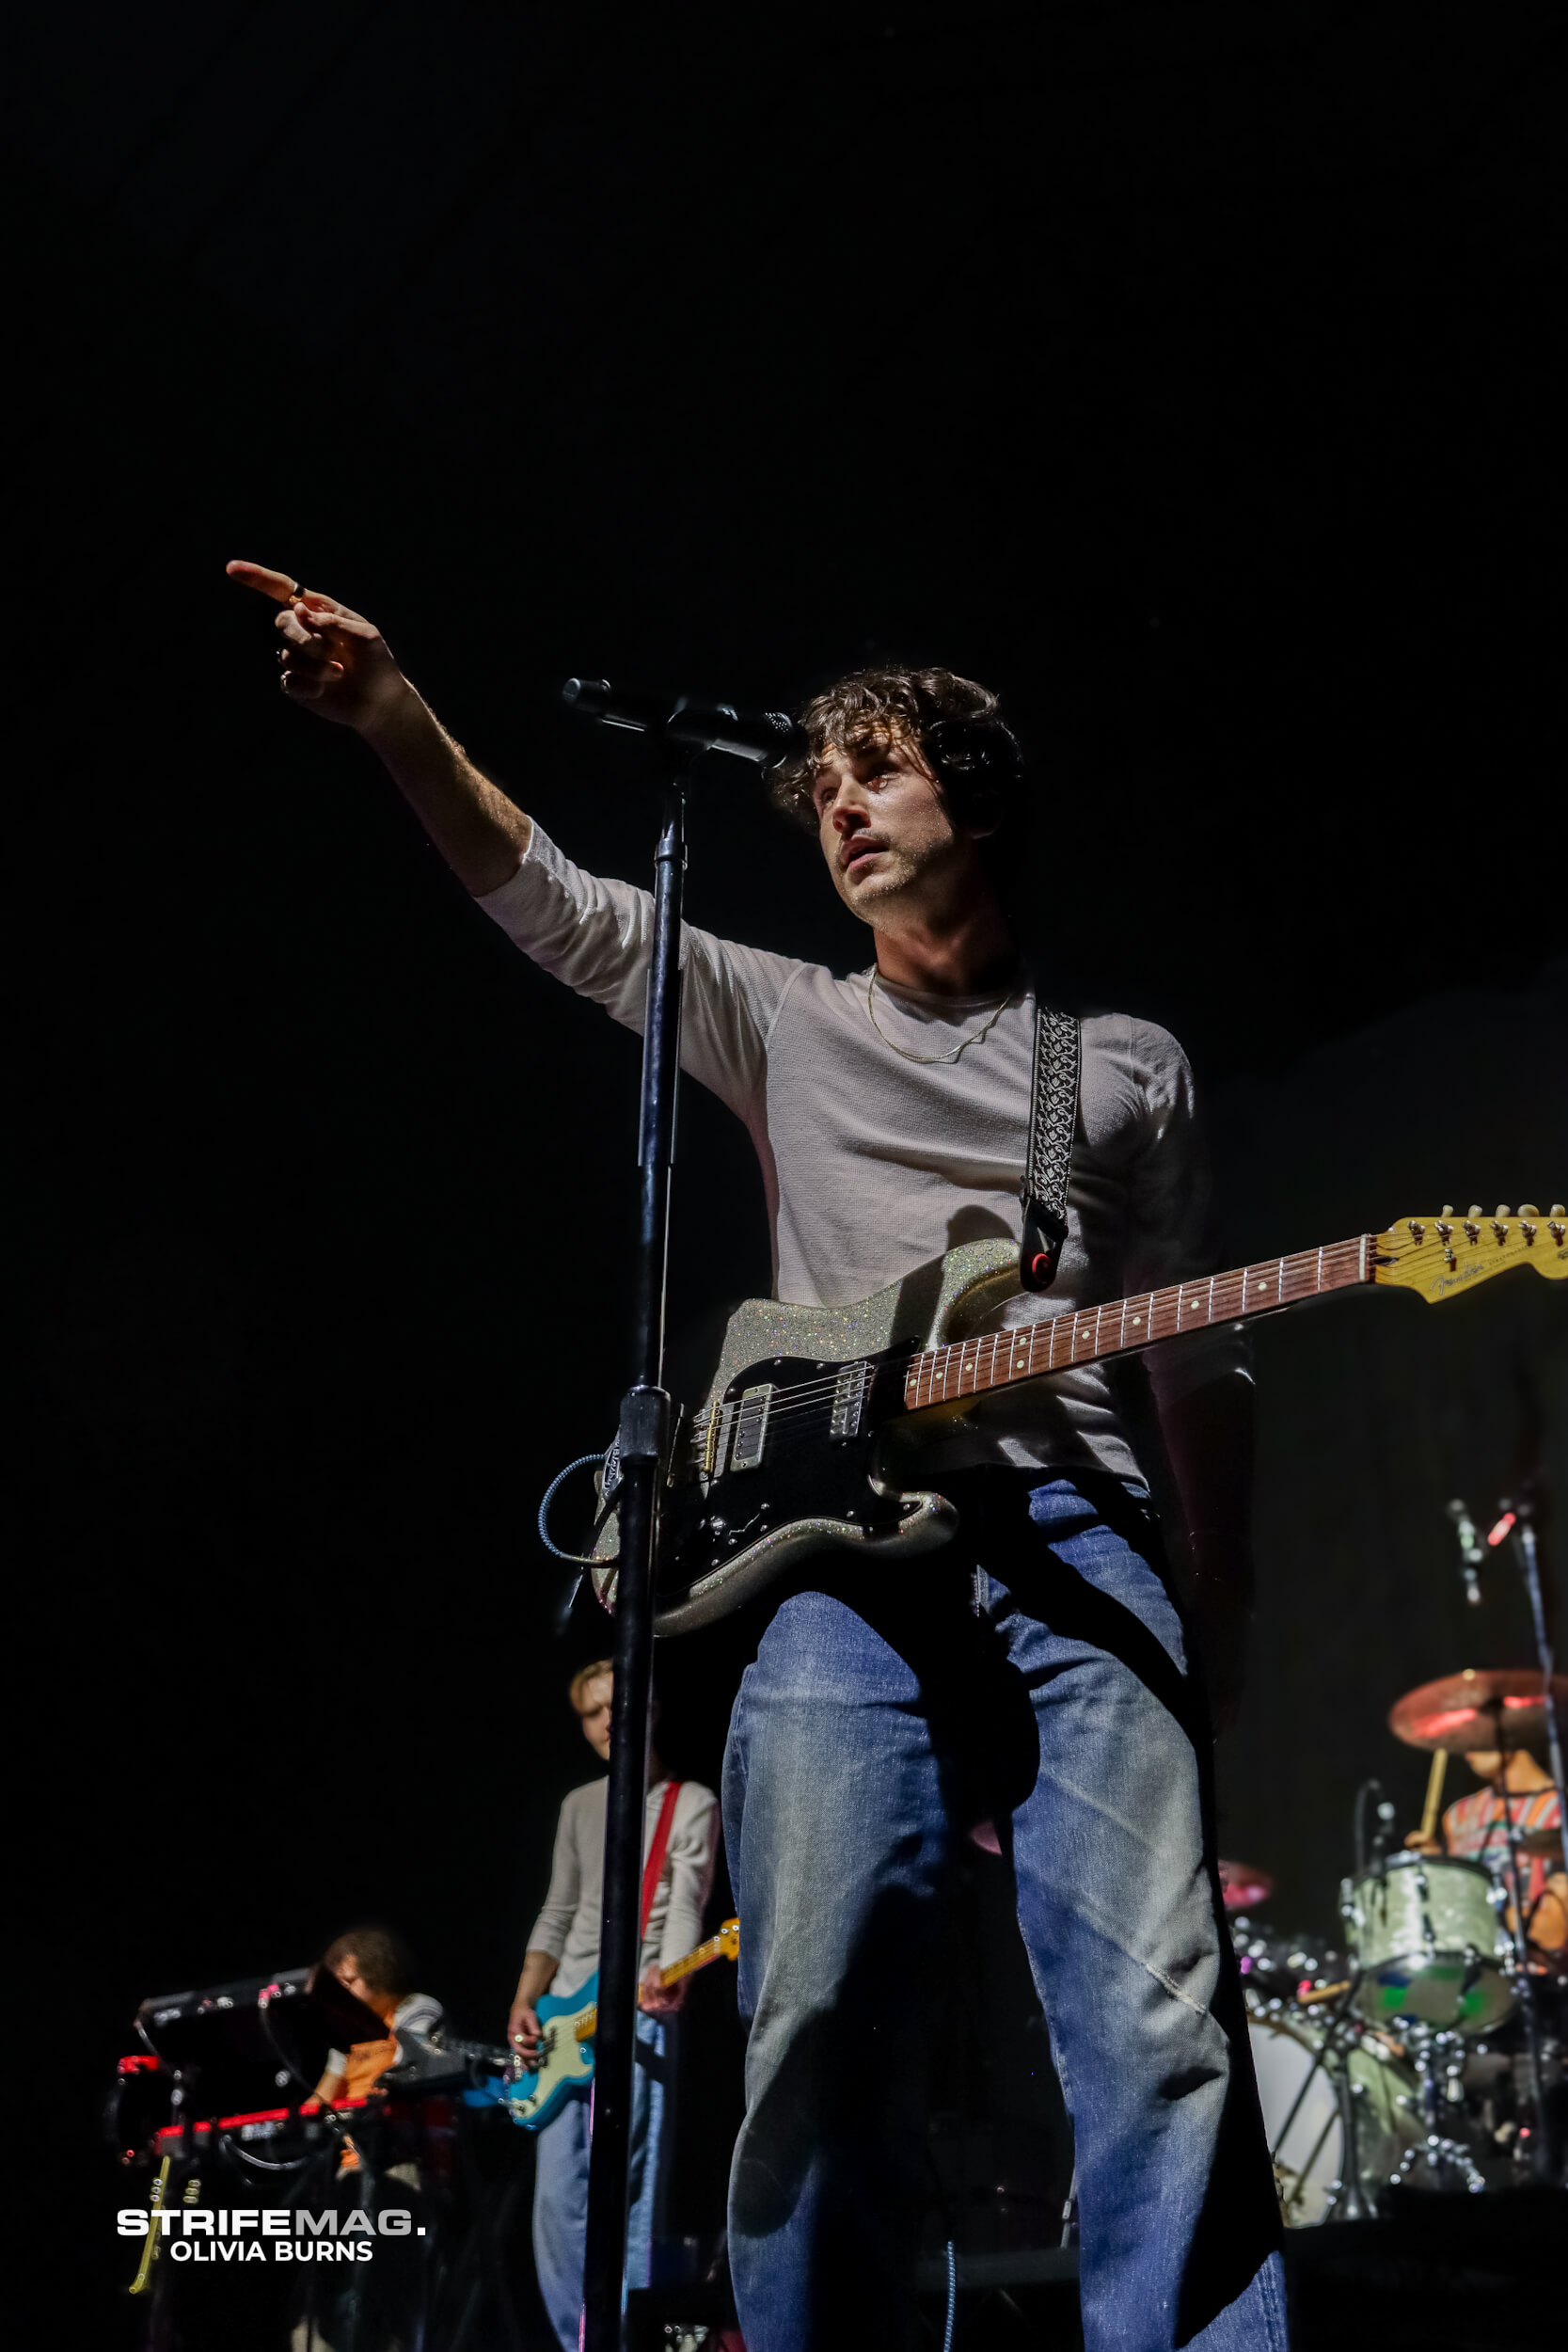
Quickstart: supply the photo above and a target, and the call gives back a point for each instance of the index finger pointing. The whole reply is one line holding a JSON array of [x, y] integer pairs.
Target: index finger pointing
[[280, 586]]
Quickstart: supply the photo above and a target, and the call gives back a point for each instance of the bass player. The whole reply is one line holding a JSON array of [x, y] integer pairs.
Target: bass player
[[1040, 1672], [680, 1840]]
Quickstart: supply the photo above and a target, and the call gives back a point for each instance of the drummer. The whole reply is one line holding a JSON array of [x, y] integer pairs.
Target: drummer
[[1475, 1830]]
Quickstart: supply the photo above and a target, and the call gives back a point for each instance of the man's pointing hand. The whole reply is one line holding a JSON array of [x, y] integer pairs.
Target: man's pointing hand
[[330, 658]]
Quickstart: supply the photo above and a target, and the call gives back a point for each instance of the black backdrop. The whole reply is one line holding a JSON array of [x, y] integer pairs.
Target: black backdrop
[[1188, 371]]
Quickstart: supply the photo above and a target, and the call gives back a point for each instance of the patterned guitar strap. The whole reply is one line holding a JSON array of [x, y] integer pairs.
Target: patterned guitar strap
[[1053, 1121]]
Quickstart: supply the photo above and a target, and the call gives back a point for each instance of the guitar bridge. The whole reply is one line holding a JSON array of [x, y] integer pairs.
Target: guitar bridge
[[849, 1400]]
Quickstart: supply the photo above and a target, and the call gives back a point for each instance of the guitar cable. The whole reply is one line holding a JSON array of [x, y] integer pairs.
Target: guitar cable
[[582, 1561], [950, 2248]]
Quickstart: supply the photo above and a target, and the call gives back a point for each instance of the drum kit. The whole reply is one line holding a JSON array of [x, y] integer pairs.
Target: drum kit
[[1430, 2051]]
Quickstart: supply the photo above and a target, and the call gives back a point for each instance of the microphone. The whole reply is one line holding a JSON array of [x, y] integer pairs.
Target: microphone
[[689, 724], [1383, 1838], [1471, 1552]]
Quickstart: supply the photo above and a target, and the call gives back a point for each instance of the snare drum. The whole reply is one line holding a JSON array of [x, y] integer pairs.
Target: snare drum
[[1301, 2115], [1424, 1931]]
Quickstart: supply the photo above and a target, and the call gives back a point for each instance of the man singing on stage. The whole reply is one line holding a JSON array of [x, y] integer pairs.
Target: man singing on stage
[[1035, 1673]]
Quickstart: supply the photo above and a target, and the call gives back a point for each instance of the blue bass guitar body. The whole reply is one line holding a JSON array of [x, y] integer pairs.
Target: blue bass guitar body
[[565, 2068]]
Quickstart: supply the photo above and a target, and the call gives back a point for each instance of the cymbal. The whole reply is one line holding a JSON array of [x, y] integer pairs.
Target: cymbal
[[1546, 1842], [1243, 1886], [1485, 1707]]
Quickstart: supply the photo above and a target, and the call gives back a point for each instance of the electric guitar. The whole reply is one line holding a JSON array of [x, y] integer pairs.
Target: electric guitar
[[808, 1439], [567, 2027]]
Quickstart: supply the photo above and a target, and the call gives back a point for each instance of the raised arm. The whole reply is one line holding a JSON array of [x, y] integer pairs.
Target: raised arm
[[339, 665]]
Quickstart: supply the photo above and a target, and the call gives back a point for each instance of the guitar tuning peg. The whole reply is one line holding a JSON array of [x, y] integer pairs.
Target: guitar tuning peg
[[1447, 1209], [1557, 1209], [1475, 1212], [1527, 1208], [1503, 1212]]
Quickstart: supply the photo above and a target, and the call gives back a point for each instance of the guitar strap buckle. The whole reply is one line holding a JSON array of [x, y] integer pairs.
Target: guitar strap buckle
[[1048, 1158]]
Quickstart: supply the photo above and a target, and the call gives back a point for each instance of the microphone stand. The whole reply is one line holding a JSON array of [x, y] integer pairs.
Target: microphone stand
[[642, 1442], [1546, 2156], [1523, 1532]]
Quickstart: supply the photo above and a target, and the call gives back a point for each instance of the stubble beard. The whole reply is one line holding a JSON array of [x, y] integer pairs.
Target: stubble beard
[[894, 900]]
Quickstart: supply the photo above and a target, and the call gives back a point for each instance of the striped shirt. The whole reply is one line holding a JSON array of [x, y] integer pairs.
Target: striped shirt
[[1475, 1831]]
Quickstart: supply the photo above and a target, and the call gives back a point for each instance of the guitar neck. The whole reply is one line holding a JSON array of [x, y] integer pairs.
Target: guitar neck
[[717, 1948], [966, 1368], [690, 1962]]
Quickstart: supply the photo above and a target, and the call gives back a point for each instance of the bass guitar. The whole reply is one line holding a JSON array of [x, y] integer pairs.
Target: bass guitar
[[567, 2027], [808, 1438]]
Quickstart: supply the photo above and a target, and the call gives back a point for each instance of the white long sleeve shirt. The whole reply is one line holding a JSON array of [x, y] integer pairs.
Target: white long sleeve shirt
[[873, 1163], [568, 1923]]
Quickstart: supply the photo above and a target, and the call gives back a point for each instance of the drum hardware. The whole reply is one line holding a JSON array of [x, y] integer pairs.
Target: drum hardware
[[1516, 1521], [1497, 1712], [1278, 1970], [1540, 2153], [1439, 2060], [1347, 2199], [1383, 1837]]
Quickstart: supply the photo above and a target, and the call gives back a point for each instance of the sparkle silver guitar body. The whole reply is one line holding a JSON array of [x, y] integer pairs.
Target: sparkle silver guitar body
[[797, 1446]]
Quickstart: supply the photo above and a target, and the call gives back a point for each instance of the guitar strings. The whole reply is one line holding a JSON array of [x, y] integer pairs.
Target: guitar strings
[[801, 1395], [804, 1397], [820, 1386], [794, 1394]]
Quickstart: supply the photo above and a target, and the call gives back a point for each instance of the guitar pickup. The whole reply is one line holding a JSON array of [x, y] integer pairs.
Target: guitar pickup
[[849, 1400], [751, 1427]]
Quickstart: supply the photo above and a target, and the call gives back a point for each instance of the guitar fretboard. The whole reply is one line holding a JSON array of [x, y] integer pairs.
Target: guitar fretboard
[[1125, 1325], [712, 1949], [715, 1948]]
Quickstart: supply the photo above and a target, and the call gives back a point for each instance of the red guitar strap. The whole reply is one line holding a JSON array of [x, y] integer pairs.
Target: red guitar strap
[[652, 1870]]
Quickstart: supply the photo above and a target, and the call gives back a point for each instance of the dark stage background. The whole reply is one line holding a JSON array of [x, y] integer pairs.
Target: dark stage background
[[1193, 374]]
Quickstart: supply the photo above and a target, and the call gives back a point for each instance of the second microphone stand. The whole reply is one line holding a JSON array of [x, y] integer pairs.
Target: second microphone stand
[[643, 1443]]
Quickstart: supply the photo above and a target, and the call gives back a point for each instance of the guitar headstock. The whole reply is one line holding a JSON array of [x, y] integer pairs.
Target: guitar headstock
[[729, 1939], [1448, 1252]]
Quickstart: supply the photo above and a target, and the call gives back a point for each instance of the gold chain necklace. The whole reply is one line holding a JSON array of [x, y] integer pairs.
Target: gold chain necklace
[[931, 1059]]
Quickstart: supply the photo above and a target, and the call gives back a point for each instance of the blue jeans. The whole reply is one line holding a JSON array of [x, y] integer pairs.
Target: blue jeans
[[1034, 1674], [561, 2188]]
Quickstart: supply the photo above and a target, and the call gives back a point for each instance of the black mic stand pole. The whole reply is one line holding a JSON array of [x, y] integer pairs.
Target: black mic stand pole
[[1547, 2155], [643, 1444], [1523, 1531]]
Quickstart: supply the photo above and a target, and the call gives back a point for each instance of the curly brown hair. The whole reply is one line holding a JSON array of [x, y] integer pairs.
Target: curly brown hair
[[380, 1954], [956, 723]]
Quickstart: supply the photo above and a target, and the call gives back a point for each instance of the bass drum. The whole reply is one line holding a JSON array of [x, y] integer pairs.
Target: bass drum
[[1301, 2115]]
